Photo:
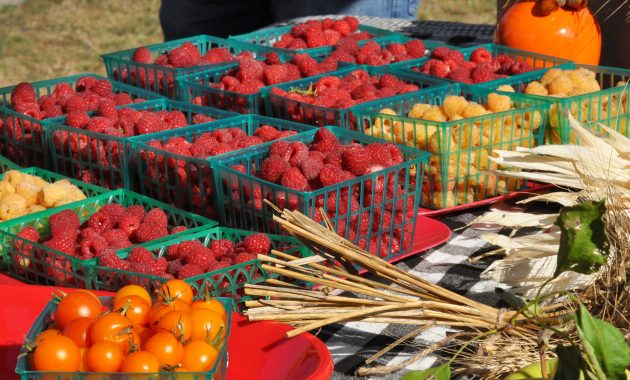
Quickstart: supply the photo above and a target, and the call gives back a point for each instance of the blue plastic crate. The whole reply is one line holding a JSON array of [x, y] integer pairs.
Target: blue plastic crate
[[289, 109], [163, 79], [23, 138], [105, 159], [381, 222], [184, 181]]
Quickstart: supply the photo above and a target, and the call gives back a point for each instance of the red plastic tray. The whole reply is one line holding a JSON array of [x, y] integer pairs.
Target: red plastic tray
[[257, 350]]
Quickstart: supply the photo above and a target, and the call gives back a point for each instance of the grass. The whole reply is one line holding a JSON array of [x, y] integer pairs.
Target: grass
[[43, 39]]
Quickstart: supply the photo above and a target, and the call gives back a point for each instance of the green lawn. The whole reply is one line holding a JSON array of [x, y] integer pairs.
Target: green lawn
[[42, 39]]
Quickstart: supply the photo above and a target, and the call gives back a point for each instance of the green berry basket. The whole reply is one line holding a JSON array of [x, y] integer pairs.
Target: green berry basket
[[105, 159], [225, 282], [608, 103], [47, 266], [164, 79], [23, 137], [460, 150], [289, 109], [184, 181], [537, 61], [382, 226], [6, 164], [44, 319]]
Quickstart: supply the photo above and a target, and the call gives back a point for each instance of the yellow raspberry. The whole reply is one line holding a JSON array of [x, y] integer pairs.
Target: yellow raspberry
[[499, 103], [561, 85], [505, 88], [29, 191], [434, 113], [585, 72], [536, 88], [473, 110], [454, 106], [550, 75], [417, 110], [12, 206]]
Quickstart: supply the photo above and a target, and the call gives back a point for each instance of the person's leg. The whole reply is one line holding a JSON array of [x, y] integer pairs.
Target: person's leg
[[288, 9], [222, 18]]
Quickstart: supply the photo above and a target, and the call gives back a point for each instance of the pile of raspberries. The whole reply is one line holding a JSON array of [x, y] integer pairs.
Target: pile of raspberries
[[326, 162], [482, 66], [371, 53], [111, 228], [318, 33]]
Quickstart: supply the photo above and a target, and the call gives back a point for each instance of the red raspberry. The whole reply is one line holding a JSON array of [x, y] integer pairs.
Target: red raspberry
[[136, 210], [76, 103], [204, 258], [397, 48], [186, 55], [343, 27], [102, 87], [161, 60], [348, 45], [334, 158], [100, 222], [189, 270], [284, 41], [293, 179], [274, 74], [188, 248], [353, 22], [379, 154], [299, 151], [282, 149], [481, 55], [140, 255], [142, 55], [122, 99], [331, 37], [24, 249], [388, 80], [327, 83], [111, 260], [505, 61], [244, 257], [158, 266], [178, 230], [63, 222], [249, 87], [129, 223], [266, 132], [435, 67], [456, 56], [519, 67], [311, 167], [92, 247], [222, 247], [440, 53], [481, 74], [85, 83], [149, 232], [114, 211], [149, 123], [116, 238], [218, 149], [77, 119], [272, 58], [173, 266], [297, 44], [257, 243], [62, 90], [23, 93], [63, 243], [325, 141], [308, 65], [356, 160], [156, 217], [461, 74], [201, 118], [99, 124], [330, 175], [249, 69], [139, 268], [416, 48]]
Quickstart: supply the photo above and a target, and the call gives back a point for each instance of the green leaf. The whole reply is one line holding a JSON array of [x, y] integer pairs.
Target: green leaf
[[583, 241], [570, 363], [606, 349], [442, 372]]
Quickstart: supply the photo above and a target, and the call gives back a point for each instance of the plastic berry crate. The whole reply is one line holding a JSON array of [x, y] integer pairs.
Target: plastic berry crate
[[31, 149], [226, 282], [460, 150], [44, 320], [608, 103], [302, 112], [536, 61], [105, 159], [6, 164], [69, 270], [186, 182], [163, 79], [251, 213], [267, 37]]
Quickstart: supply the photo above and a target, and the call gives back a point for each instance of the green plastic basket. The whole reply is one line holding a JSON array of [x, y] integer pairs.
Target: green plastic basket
[[382, 222], [163, 79], [70, 270], [267, 37], [225, 282], [289, 109], [600, 105], [536, 61], [6, 164], [105, 160], [186, 182], [23, 370], [460, 150], [31, 149]]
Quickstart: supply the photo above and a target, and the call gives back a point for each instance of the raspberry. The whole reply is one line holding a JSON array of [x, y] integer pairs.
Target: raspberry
[[334, 158], [310, 167], [222, 247], [129, 223], [327, 83], [140, 255], [204, 258], [62, 90], [188, 248], [481, 74], [249, 69], [100, 222], [92, 246], [149, 232], [440, 53], [149, 123], [505, 61], [178, 230], [136, 210], [114, 211], [397, 48], [174, 266], [186, 55], [200, 119], [77, 119], [159, 266], [266, 133], [102, 87], [343, 27], [140, 268], [99, 124], [416, 48], [379, 154], [325, 141], [284, 41], [157, 217], [23, 93], [272, 167], [519, 67], [356, 160], [274, 74], [460, 74], [293, 179], [244, 257], [161, 60], [218, 149], [435, 67], [112, 260], [308, 65], [142, 55], [76, 103], [63, 243], [64, 222], [296, 44], [330, 175], [189, 270], [257, 243], [331, 37], [22, 258], [481, 55], [272, 58], [85, 83], [456, 56], [116, 238], [353, 22], [282, 149], [299, 151]]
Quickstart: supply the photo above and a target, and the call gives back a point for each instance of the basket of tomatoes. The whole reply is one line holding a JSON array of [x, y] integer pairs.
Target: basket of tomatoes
[[131, 335]]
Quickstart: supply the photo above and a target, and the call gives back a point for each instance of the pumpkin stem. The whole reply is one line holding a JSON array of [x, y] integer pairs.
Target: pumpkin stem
[[545, 7]]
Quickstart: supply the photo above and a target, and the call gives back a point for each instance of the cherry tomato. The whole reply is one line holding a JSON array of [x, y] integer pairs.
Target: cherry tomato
[[114, 327], [140, 361], [199, 356], [91, 294], [136, 309], [143, 333], [175, 289], [165, 347], [178, 323], [83, 367], [77, 330], [45, 334], [210, 304], [75, 305], [104, 357], [133, 290], [206, 324], [57, 353], [159, 309]]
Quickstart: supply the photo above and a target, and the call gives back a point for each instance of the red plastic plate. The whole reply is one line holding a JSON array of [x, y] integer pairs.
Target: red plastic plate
[[257, 350]]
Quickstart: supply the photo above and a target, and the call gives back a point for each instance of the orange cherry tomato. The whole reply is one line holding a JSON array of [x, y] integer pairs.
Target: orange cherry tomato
[[104, 357], [45, 334], [175, 289], [199, 356], [143, 333], [166, 348], [83, 367], [136, 309], [178, 323], [140, 362], [77, 330], [159, 309], [91, 294], [206, 324], [75, 305], [57, 353], [133, 290], [210, 304], [116, 328]]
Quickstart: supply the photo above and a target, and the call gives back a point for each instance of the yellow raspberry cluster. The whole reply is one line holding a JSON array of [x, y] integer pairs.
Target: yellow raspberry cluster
[[563, 83], [461, 149], [22, 194]]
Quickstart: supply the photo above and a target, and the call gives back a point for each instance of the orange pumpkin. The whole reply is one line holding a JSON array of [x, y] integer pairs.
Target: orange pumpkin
[[564, 32]]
